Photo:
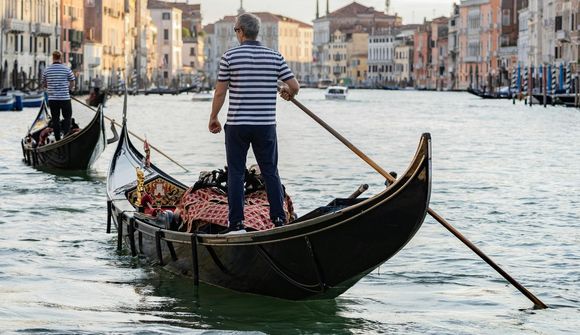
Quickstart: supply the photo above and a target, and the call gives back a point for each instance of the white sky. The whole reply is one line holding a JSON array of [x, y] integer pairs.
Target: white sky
[[412, 11]]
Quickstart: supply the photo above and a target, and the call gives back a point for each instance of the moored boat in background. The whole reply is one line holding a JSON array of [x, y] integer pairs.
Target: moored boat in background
[[6, 102], [32, 99]]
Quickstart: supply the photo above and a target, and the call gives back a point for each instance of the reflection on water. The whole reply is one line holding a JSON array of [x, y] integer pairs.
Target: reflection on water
[[503, 175], [218, 308]]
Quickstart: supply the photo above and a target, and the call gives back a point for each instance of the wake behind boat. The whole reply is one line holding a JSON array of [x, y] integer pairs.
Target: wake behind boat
[[76, 151], [317, 256]]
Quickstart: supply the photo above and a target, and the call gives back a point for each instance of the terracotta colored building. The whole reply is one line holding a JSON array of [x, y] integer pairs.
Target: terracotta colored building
[[104, 32], [478, 37], [72, 23], [422, 57]]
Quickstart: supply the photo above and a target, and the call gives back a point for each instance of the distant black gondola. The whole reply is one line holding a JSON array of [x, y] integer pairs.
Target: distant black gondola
[[318, 256], [485, 95], [76, 151]]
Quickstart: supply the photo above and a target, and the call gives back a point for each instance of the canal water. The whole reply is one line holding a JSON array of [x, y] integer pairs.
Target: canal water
[[505, 175]]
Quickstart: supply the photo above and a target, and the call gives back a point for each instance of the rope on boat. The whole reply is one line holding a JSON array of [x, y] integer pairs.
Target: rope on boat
[[276, 268]]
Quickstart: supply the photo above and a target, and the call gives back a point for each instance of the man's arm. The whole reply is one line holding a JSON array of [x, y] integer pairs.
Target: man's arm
[[219, 98], [288, 91], [71, 81], [43, 80]]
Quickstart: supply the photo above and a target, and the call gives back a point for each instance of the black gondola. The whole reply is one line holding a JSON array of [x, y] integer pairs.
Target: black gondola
[[318, 256], [77, 151], [485, 95]]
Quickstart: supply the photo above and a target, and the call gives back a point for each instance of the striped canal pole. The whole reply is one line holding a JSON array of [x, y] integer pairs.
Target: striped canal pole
[[525, 85], [568, 78], [554, 83], [514, 85]]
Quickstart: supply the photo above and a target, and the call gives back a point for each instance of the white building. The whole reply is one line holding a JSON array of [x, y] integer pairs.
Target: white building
[[169, 43], [541, 32], [292, 38], [29, 35], [523, 38], [381, 56]]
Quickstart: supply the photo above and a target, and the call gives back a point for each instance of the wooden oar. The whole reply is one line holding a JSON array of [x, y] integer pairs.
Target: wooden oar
[[537, 302], [130, 132]]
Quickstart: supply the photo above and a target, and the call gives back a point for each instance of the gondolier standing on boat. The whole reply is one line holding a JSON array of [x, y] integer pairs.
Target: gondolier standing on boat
[[59, 80], [250, 72]]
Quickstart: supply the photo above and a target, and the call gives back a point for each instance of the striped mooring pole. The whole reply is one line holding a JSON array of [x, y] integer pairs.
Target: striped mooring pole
[[568, 78], [514, 84], [525, 85]]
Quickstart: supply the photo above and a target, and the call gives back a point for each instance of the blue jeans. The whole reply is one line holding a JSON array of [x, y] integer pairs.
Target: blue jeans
[[265, 148]]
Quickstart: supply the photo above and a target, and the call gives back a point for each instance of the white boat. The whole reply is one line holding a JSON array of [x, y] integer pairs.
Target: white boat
[[202, 96], [336, 93]]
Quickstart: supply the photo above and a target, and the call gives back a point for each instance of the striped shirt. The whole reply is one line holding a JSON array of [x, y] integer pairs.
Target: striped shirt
[[57, 77], [252, 71]]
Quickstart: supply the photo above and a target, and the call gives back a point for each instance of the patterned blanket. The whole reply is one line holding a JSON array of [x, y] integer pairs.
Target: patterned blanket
[[200, 207]]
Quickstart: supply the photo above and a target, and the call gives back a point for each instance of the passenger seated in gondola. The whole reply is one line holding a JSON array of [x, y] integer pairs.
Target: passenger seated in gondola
[[147, 205], [30, 141], [44, 137]]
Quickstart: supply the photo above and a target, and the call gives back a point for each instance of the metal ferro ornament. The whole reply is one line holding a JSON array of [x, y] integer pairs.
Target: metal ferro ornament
[[140, 188]]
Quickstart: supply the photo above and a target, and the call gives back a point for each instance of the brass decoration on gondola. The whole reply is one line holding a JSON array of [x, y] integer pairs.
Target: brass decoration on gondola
[[140, 188]]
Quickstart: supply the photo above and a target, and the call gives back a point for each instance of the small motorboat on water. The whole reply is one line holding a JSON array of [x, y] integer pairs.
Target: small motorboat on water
[[336, 93]]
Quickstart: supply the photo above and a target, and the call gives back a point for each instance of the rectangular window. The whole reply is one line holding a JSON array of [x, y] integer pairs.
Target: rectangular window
[[16, 44], [558, 23], [166, 34], [166, 16], [506, 17]]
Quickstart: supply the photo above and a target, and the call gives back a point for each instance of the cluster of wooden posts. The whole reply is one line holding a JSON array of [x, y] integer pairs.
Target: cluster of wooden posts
[[547, 85]]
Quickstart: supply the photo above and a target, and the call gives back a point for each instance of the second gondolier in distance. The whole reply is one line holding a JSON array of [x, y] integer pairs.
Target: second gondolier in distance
[[250, 72]]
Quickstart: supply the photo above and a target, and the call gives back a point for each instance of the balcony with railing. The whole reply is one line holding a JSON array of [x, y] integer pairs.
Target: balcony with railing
[[563, 36], [43, 29], [15, 26]]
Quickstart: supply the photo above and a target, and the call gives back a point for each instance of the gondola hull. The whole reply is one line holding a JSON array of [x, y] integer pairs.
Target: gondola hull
[[319, 256], [74, 152]]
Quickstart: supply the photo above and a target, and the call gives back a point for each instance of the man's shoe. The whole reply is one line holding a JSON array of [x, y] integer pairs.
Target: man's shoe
[[278, 222], [237, 227]]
